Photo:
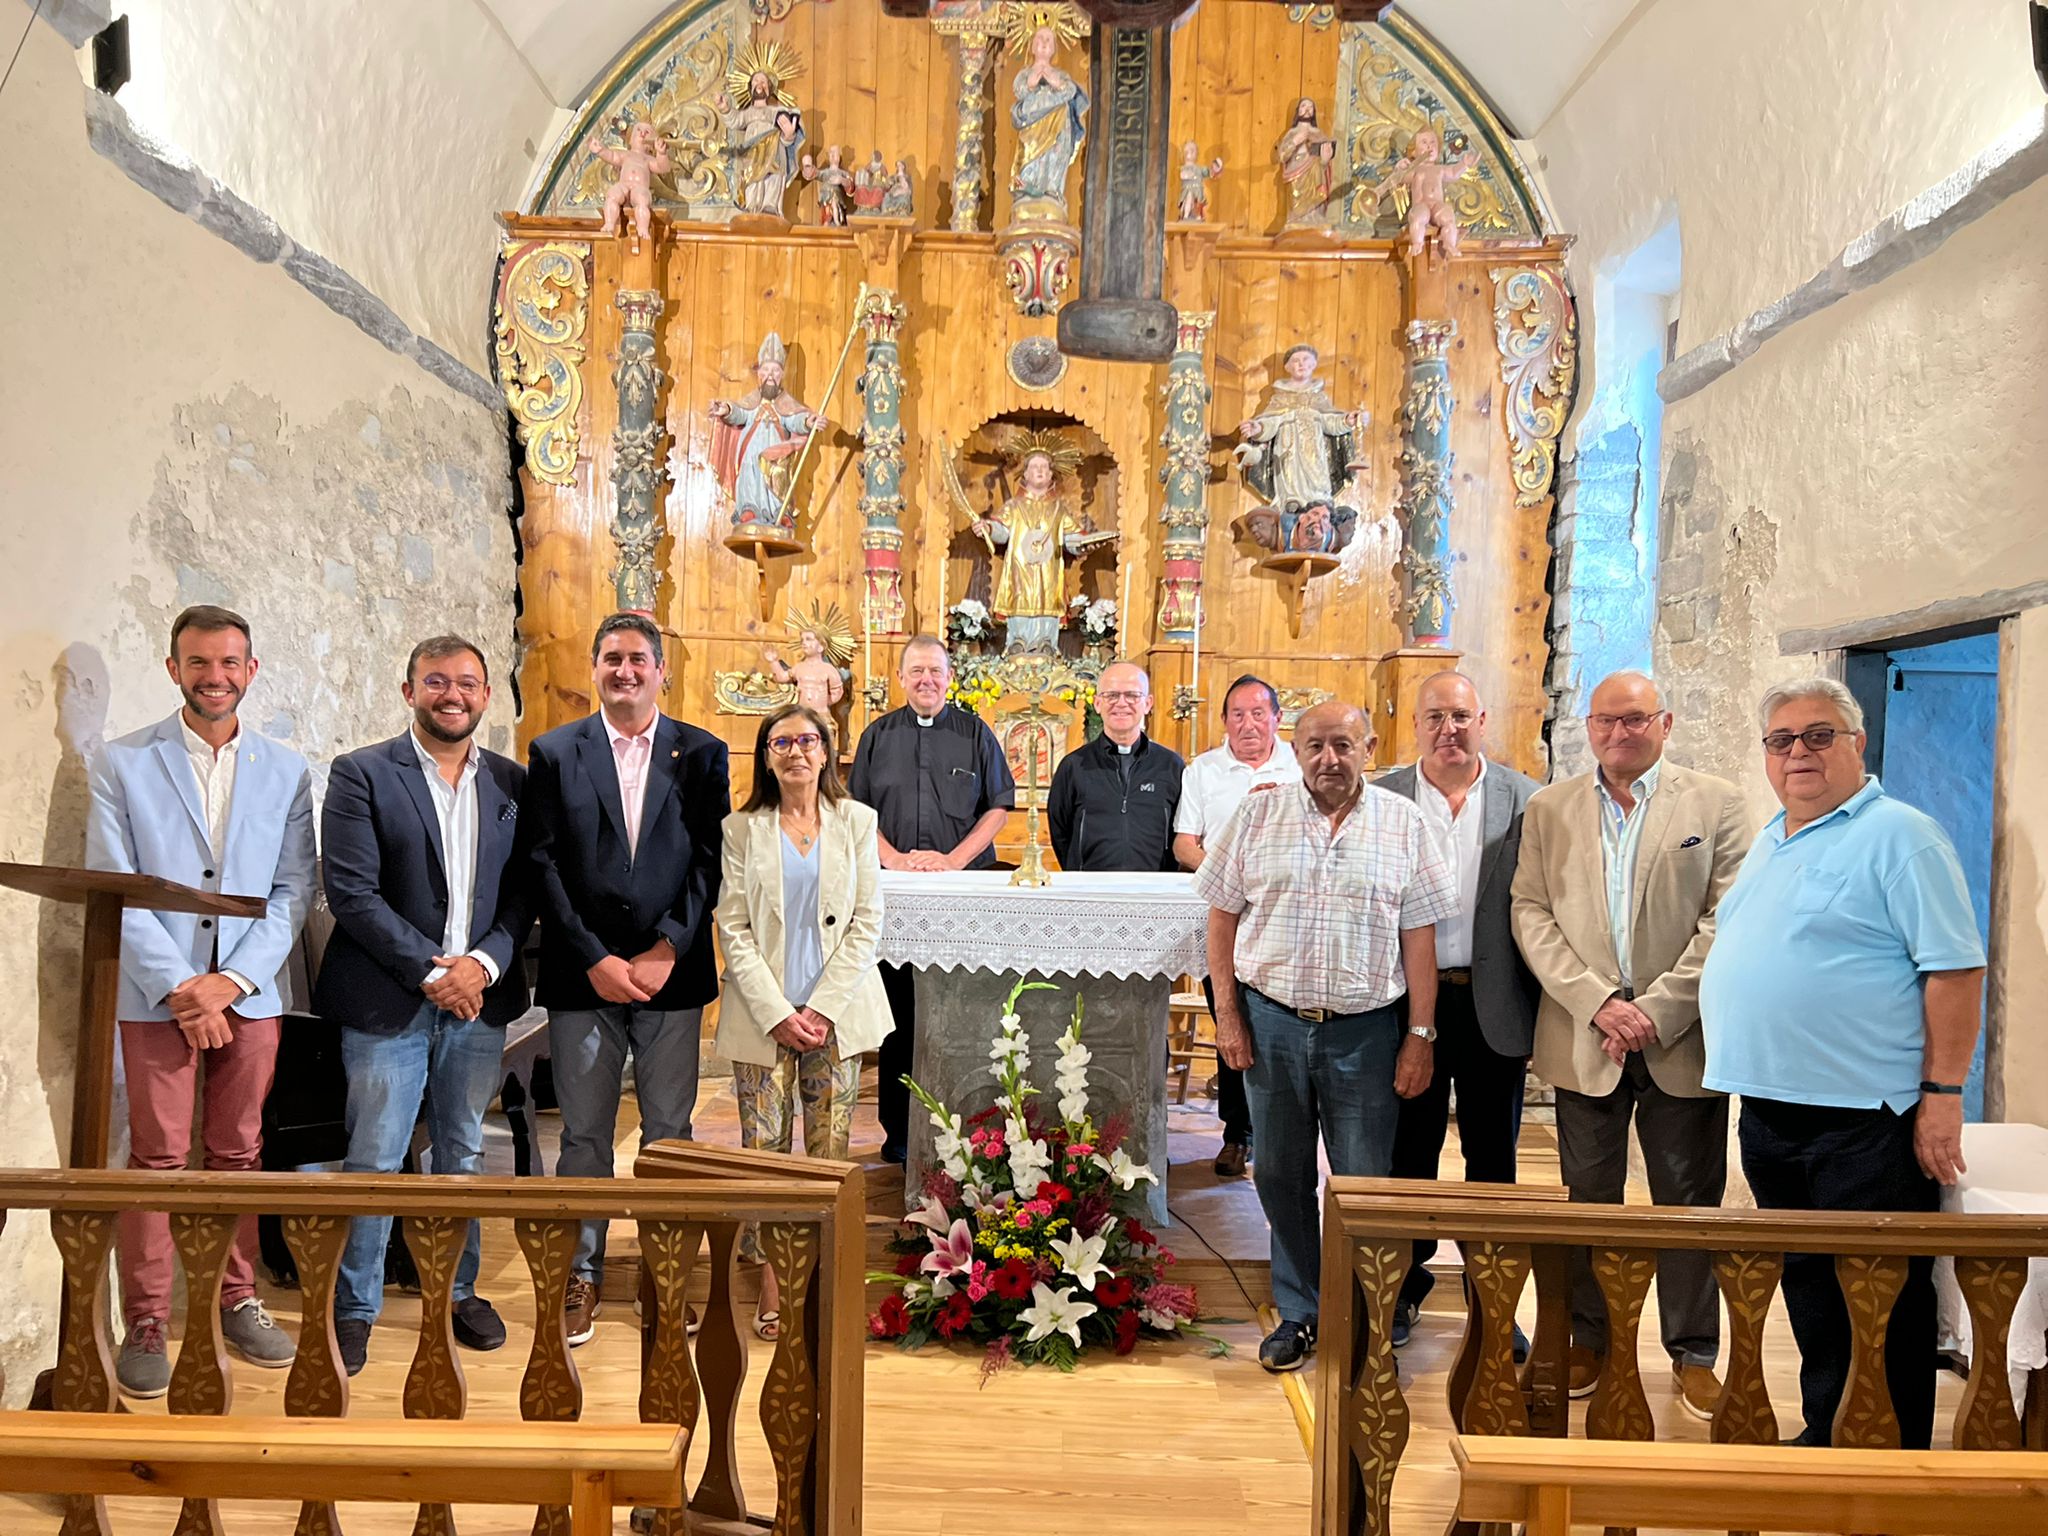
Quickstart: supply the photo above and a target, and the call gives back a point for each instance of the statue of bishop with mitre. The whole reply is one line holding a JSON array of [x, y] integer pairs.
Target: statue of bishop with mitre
[[755, 441]]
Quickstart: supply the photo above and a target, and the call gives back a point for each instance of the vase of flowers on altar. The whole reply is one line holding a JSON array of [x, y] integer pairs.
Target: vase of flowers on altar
[[1030, 1239], [969, 626], [1096, 621]]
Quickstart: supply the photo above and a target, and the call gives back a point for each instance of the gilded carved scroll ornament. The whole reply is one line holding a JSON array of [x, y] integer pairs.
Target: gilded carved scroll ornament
[[1536, 329], [542, 315]]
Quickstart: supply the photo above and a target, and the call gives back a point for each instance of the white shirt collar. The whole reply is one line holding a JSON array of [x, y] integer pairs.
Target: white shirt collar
[[616, 735], [427, 759], [1423, 779], [1265, 762], [198, 746]]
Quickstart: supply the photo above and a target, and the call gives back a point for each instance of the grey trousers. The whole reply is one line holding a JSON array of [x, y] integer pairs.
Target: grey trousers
[[1685, 1149], [589, 1051]]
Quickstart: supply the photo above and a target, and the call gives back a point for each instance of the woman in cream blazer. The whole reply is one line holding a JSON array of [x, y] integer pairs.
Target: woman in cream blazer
[[800, 919]]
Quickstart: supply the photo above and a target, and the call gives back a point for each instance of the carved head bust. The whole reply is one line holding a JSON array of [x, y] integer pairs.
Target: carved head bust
[[1299, 363]]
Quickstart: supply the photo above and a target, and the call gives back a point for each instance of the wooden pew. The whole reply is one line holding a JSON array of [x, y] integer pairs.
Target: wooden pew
[[591, 1468], [1554, 1485]]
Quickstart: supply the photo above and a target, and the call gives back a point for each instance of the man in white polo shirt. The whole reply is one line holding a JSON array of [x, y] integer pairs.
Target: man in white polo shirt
[[1211, 790]]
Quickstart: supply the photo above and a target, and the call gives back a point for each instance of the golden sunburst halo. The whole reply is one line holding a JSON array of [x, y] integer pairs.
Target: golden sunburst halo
[[829, 624], [1066, 458], [773, 59], [1021, 18]]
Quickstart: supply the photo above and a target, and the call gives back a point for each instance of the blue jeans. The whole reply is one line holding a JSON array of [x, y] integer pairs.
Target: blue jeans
[[1336, 1077], [588, 1047], [456, 1064]]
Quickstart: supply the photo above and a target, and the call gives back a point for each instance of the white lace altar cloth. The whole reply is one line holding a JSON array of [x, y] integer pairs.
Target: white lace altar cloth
[[1078, 925]]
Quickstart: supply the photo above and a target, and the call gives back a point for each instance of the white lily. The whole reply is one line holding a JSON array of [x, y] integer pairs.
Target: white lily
[[1053, 1312], [1081, 1257], [1118, 1166]]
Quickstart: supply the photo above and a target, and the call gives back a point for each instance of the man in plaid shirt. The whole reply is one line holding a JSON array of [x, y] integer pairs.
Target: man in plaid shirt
[[1323, 902]]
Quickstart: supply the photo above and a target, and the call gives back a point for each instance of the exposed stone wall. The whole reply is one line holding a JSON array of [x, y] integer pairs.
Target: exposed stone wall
[[184, 424]]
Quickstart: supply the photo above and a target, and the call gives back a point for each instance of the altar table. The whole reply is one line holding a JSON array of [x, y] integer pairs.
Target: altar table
[[2008, 1175], [1118, 941]]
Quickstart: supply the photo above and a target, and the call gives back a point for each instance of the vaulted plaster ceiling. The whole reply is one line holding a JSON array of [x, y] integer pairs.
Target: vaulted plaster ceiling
[[1525, 54]]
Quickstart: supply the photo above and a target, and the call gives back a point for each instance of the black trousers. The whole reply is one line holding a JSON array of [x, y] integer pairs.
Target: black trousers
[[892, 1099], [1489, 1089], [1231, 1104], [1805, 1157]]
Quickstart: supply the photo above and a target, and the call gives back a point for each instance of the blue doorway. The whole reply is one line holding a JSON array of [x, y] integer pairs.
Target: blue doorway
[[1932, 714]]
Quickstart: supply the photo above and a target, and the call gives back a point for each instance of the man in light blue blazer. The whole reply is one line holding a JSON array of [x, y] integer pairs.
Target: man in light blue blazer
[[199, 800]]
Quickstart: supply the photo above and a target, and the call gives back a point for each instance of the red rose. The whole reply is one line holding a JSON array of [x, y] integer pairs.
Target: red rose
[[1126, 1327], [956, 1315], [1112, 1291], [1013, 1281], [892, 1321], [906, 1264]]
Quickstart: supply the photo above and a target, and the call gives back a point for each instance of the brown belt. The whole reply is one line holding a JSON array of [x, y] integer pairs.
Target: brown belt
[[1460, 976]]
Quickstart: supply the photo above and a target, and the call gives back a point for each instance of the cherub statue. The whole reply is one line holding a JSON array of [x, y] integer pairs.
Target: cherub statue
[[643, 158], [1306, 155], [754, 441], [896, 197], [819, 673], [1425, 174], [1194, 183], [835, 186], [1297, 454], [870, 187]]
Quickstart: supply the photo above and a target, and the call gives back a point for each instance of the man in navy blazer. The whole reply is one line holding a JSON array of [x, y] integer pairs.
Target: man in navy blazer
[[427, 879], [624, 811], [200, 800]]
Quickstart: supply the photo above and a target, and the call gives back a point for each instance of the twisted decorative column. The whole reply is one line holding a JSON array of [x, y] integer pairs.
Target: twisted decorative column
[[1185, 473], [1427, 498], [881, 464], [970, 159], [636, 453]]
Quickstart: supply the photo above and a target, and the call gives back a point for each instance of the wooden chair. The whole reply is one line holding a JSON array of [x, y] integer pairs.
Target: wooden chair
[[1554, 1484], [591, 1468], [1190, 1034]]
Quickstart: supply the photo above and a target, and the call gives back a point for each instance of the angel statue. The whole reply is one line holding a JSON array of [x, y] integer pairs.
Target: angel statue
[[1425, 173], [1298, 454], [753, 442], [763, 134], [643, 158], [819, 674], [1037, 530], [1050, 114]]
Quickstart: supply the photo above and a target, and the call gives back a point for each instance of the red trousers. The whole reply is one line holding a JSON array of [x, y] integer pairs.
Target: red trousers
[[162, 1070]]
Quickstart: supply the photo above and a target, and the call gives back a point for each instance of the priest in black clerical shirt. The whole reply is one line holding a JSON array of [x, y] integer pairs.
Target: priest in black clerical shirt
[[1112, 802], [941, 789]]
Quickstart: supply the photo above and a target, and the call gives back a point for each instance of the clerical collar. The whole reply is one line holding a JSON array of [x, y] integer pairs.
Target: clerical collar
[[924, 721]]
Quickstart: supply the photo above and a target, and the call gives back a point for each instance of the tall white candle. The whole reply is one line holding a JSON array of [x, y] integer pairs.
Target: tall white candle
[[1123, 612], [1195, 677]]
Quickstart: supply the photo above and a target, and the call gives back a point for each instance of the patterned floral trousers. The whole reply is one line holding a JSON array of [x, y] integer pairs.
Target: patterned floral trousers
[[824, 1085]]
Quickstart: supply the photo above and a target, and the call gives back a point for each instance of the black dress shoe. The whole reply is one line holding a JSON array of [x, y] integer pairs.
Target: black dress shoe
[[353, 1335], [477, 1324], [1405, 1314], [894, 1152]]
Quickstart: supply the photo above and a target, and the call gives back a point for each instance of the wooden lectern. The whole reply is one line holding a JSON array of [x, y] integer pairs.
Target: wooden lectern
[[105, 896]]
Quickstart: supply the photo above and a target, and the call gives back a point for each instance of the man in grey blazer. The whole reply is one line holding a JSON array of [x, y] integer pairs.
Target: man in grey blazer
[[1486, 997]]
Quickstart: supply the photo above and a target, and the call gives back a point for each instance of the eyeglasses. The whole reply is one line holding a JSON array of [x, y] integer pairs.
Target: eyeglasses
[[1118, 698], [1458, 719], [786, 745], [468, 687], [1635, 724], [1818, 738]]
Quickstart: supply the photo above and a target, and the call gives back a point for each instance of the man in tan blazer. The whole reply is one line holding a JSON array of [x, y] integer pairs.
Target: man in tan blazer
[[1614, 899]]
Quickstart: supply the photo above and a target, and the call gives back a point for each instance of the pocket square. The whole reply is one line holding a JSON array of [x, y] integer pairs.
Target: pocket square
[[1691, 842], [509, 811]]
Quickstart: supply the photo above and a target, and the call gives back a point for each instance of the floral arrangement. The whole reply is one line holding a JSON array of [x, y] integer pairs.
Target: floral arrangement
[[974, 689], [1028, 1239], [1096, 619], [968, 622]]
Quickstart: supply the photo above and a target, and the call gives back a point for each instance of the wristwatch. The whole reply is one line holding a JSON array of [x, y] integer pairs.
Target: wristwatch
[[1424, 1032], [1931, 1087]]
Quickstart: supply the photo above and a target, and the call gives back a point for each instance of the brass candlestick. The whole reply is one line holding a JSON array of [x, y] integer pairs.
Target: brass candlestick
[[1034, 675]]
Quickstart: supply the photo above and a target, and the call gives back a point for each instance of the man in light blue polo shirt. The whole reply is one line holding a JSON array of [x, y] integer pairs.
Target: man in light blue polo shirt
[[1841, 1000]]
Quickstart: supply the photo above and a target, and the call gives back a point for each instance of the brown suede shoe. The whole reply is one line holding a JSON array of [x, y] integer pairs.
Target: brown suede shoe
[[1584, 1367], [580, 1306], [1230, 1162], [1699, 1389]]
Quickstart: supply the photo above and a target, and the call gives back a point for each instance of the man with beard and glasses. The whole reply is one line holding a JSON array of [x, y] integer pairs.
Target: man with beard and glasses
[[427, 879], [625, 811], [199, 800]]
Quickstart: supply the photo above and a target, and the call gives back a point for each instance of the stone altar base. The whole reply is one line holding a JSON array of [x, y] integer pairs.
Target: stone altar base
[[1123, 1024]]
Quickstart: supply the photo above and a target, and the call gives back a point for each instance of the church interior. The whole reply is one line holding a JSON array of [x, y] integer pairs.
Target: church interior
[[1334, 345]]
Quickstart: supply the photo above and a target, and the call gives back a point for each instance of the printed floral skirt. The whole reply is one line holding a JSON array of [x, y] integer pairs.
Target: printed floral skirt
[[823, 1085]]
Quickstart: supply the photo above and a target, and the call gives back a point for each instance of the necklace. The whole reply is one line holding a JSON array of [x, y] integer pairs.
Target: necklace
[[798, 834]]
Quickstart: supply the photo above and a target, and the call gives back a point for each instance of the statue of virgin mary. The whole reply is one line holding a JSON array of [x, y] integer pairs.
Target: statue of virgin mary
[[1050, 116]]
